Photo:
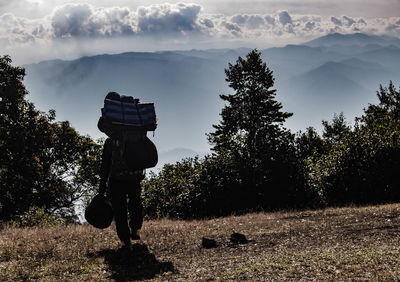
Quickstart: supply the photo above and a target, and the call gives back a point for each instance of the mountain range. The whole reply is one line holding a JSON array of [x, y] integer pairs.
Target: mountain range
[[331, 74]]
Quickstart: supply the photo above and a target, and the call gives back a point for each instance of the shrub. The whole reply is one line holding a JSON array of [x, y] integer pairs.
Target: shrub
[[193, 188], [36, 216], [363, 167]]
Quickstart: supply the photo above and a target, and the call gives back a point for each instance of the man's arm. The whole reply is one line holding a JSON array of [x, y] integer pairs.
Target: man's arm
[[105, 166]]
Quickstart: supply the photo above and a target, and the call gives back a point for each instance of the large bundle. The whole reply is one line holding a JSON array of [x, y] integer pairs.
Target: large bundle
[[124, 113], [126, 121]]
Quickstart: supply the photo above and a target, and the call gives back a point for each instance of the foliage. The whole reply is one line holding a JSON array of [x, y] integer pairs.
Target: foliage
[[43, 163], [36, 217], [193, 188], [363, 167], [168, 193], [335, 131], [309, 143]]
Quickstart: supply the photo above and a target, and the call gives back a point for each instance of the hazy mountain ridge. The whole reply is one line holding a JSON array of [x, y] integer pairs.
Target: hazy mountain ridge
[[356, 39], [326, 75]]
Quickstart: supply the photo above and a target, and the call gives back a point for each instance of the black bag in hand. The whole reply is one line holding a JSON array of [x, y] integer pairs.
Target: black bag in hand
[[99, 212]]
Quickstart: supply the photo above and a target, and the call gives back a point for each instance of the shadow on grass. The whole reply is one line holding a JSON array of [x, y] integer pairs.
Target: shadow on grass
[[135, 264], [313, 216], [378, 229]]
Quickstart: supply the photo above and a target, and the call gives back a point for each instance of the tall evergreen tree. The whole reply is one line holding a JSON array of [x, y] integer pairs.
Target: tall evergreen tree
[[251, 129]]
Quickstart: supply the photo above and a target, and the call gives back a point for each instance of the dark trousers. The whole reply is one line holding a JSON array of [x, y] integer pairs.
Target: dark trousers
[[125, 196]]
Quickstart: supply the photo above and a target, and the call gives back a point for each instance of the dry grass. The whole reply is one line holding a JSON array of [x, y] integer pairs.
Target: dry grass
[[332, 244]]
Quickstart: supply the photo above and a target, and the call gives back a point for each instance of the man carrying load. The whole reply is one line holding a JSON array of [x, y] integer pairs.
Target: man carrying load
[[126, 153]]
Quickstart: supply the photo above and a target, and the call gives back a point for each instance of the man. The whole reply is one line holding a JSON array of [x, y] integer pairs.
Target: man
[[123, 184]]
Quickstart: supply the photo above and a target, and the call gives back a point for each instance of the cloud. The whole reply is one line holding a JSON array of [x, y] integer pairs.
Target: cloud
[[255, 22], [394, 28], [362, 21], [310, 25], [24, 8], [82, 20], [231, 26], [169, 18], [72, 20], [207, 22], [349, 21], [239, 19], [336, 21], [18, 30], [180, 22], [269, 20], [248, 21], [285, 18]]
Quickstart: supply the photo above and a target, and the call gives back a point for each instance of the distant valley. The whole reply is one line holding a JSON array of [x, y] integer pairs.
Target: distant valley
[[314, 80]]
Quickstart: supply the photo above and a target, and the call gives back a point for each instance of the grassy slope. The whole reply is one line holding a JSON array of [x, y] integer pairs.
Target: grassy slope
[[332, 244]]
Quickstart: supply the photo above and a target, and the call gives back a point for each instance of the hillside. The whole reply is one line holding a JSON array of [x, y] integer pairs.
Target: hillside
[[331, 244]]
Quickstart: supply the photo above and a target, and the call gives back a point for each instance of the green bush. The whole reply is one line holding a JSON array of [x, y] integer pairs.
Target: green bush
[[37, 217], [362, 168], [192, 188]]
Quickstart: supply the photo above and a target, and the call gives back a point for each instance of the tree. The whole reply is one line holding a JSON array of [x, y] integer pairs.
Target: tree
[[43, 163], [251, 127], [362, 168], [309, 143], [388, 109], [335, 131]]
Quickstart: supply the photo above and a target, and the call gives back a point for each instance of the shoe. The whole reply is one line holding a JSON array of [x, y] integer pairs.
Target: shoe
[[135, 235]]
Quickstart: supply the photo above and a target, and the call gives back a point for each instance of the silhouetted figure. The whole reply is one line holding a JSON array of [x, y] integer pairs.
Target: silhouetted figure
[[124, 187], [127, 152]]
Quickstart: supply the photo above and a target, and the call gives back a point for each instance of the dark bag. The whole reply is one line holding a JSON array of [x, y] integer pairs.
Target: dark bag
[[99, 212], [141, 155], [132, 153]]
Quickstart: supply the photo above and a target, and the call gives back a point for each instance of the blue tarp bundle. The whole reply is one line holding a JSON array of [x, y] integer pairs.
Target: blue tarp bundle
[[130, 113], [126, 112]]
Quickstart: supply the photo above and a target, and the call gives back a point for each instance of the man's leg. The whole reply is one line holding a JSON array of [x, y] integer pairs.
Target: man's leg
[[118, 200], [135, 208]]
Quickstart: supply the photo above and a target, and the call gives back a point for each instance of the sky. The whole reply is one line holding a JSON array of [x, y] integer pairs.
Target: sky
[[35, 30]]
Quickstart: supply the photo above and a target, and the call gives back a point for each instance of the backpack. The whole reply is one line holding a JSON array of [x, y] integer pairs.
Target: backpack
[[131, 154]]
